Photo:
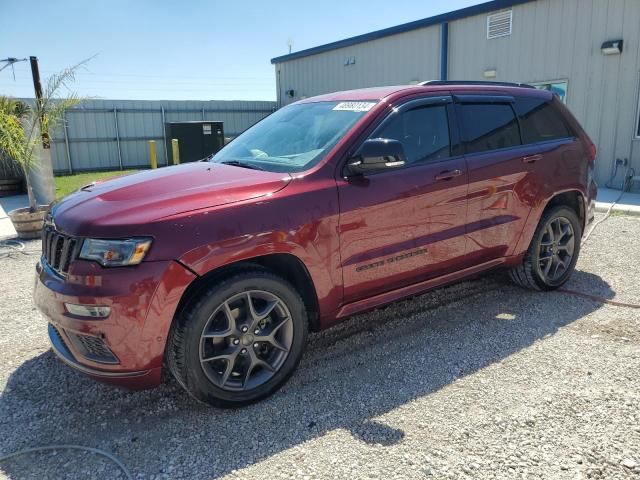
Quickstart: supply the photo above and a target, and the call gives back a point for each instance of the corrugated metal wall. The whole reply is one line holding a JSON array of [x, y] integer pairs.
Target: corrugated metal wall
[[561, 40], [94, 143], [395, 60], [551, 40]]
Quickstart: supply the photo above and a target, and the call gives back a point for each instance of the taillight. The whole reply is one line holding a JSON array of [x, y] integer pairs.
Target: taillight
[[593, 151]]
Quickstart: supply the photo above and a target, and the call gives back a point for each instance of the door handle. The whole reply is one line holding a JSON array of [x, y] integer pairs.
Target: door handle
[[532, 158], [448, 174]]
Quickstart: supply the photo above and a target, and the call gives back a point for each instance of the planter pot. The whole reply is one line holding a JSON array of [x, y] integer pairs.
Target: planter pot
[[28, 224], [10, 186]]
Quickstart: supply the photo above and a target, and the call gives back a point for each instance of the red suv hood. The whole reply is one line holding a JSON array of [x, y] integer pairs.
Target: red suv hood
[[154, 194]]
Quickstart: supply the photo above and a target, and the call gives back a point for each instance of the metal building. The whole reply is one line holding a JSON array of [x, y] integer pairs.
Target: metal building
[[587, 51], [114, 134]]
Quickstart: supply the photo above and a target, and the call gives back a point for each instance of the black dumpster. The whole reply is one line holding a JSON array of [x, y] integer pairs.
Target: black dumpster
[[196, 140]]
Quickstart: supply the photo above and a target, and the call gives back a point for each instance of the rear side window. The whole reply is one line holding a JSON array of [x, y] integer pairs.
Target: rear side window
[[488, 126], [540, 120], [423, 131]]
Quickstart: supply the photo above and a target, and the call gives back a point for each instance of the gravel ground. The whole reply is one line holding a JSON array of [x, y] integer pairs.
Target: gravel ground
[[479, 380]]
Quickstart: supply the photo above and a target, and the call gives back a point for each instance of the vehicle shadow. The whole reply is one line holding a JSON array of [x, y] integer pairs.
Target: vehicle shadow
[[352, 374]]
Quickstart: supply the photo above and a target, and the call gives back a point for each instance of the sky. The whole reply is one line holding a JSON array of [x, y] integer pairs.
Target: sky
[[188, 50]]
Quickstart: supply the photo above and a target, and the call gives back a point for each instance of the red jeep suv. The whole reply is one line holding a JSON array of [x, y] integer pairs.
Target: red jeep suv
[[330, 206]]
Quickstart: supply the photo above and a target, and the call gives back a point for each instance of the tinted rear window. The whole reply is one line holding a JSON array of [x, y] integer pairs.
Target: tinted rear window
[[540, 120], [488, 126]]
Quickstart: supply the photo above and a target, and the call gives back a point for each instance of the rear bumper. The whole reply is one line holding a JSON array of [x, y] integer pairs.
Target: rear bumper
[[127, 347], [590, 210], [591, 213]]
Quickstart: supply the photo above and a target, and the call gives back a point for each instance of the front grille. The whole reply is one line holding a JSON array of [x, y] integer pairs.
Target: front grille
[[92, 348], [58, 249]]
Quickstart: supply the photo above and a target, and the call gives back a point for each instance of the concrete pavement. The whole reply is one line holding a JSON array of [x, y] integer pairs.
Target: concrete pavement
[[628, 204]]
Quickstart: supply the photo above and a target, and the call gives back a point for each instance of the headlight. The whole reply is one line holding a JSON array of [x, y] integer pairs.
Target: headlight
[[115, 253]]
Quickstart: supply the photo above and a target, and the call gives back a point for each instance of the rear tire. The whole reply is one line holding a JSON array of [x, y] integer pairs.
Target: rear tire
[[239, 341], [553, 252]]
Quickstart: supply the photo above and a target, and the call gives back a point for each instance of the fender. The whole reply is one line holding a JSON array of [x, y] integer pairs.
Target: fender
[[279, 228], [536, 213]]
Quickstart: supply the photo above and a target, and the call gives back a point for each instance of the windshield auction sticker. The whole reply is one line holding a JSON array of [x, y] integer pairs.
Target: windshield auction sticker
[[354, 106]]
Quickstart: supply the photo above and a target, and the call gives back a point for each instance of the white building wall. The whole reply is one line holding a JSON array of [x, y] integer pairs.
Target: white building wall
[[550, 40], [561, 40], [397, 60]]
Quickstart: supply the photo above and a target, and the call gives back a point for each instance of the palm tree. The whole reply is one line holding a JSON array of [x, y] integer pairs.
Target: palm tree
[[22, 126], [12, 136]]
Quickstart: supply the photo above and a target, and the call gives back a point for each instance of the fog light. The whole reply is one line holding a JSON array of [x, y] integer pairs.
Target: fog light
[[89, 311]]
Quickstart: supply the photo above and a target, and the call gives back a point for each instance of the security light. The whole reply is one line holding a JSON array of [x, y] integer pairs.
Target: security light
[[612, 47]]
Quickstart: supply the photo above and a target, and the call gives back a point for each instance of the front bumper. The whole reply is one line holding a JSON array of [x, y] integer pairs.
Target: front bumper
[[127, 347], [134, 380]]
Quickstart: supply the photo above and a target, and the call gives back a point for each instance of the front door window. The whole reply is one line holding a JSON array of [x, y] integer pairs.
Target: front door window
[[424, 133]]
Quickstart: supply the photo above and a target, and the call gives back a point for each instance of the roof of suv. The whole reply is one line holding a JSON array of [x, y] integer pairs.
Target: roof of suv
[[378, 93]]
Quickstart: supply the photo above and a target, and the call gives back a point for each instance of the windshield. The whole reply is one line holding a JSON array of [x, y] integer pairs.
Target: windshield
[[294, 138]]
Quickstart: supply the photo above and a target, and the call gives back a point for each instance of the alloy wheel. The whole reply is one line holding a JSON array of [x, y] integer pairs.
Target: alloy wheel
[[557, 247], [246, 340]]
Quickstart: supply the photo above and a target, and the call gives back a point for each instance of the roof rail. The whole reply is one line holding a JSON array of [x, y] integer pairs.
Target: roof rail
[[475, 82]]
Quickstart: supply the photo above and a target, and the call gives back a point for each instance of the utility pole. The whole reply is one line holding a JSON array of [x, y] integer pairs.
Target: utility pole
[[37, 86]]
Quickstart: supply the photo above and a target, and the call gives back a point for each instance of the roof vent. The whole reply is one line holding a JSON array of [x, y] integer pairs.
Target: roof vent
[[499, 24]]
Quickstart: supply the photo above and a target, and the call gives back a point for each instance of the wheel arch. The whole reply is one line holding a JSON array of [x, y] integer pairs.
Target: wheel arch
[[285, 265], [573, 198], [570, 198]]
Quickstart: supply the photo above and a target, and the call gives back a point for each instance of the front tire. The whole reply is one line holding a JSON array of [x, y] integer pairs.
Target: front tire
[[553, 252], [240, 340]]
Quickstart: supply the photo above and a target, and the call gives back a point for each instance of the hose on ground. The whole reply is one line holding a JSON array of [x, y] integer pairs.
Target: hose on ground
[[625, 186], [15, 247], [96, 451], [597, 298], [606, 215]]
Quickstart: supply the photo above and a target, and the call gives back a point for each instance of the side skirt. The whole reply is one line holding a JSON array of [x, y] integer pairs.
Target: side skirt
[[421, 287]]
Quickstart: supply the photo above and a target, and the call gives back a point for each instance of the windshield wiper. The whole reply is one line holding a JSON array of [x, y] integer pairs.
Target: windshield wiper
[[238, 163]]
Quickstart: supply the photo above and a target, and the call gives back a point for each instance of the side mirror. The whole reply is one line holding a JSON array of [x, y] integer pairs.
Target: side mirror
[[377, 154]]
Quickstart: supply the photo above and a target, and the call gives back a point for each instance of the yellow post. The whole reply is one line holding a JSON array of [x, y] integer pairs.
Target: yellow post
[[153, 157], [175, 149]]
